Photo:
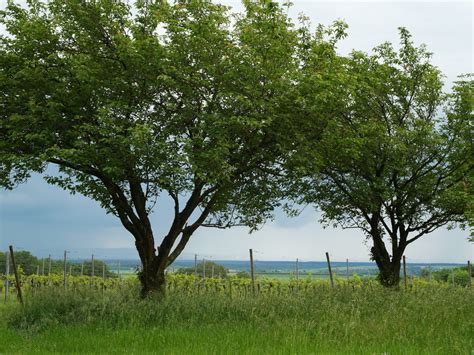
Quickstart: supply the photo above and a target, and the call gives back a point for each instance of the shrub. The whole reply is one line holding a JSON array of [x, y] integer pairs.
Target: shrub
[[210, 268]]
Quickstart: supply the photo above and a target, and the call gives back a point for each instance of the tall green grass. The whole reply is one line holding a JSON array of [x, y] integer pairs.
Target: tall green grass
[[342, 320]]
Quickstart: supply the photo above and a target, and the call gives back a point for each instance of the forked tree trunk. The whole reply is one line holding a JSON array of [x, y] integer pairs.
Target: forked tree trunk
[[152, 273], [155, 261], [154, 264], [388, 265]]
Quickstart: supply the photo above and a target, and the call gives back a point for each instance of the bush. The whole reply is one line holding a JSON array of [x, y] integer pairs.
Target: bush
[[243, 275], [210, 268], [460, 275]]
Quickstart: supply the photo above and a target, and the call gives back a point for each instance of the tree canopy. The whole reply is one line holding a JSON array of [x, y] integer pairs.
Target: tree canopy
[[227, 115], [132, 103], [394, 158]]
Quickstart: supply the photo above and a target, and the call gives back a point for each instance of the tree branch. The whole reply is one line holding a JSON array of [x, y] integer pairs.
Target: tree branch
[[189, 230], [120, 202]]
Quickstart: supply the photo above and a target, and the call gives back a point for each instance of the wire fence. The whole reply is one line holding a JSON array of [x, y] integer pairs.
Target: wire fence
[[74, 262]]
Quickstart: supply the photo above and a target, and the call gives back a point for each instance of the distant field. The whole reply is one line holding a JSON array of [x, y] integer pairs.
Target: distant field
[[361, 318], [287, 269]]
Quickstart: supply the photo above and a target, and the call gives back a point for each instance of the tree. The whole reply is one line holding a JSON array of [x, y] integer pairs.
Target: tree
[[463, 105], [389, 161], [243, 275], [208, 268], [460, 275], [86, 268], [31, 264], [23, 258], [180, 100]]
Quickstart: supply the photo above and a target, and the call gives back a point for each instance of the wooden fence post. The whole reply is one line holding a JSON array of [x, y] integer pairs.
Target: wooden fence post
[[7, 274], [91, 281], [70, 273], [103, 277], [297, 270], [330, 270], [252, 271], [203, 268], [347, 269], [64, 271], [49, 270], [404, 271], [42, 269], [195, 266], [92, 265], [17, 277], [469, 271]]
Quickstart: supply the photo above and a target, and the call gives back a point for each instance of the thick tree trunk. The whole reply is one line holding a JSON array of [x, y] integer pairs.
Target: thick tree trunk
[[153, 281], [389, 275], [152, 274], [135, 219], [389, 266], [154, 264]]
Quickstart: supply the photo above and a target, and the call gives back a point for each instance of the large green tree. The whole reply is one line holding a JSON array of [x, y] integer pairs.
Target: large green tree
[[393, 154], [177, 99]]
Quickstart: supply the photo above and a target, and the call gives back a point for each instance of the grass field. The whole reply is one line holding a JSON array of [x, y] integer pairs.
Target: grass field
[[365, 320]]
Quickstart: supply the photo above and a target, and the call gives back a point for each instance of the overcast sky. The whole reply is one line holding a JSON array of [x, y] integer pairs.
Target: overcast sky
[[47, 220]]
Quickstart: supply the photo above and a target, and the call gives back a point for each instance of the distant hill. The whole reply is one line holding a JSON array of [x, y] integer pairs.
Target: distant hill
[[289, 267]]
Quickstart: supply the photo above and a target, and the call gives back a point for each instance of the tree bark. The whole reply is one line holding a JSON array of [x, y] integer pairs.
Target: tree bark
[[389, 266], [134, 217], [155, 262], [389, 273], [152, 279], [152, 273]]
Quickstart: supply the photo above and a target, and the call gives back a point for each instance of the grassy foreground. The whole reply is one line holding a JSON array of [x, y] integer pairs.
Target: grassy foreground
[[367, 320]]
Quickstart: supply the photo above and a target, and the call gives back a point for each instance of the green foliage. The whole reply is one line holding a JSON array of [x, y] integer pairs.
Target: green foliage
[[394, 156], [461, 110], [30, 265], [386, 146], [231, 286], [164, 98], [86, 268], [207, 268], [457, 276], [23, 259], [102, 95], [243, 275]]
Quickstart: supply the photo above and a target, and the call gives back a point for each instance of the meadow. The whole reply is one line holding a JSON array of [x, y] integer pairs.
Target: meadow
[[203, 316]]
